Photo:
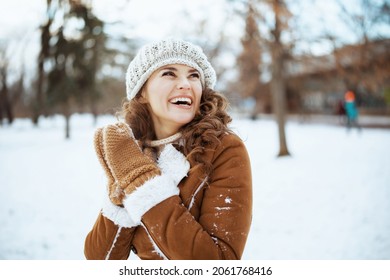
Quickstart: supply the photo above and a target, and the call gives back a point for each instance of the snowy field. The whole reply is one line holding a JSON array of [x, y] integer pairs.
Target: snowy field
[[329, 200]]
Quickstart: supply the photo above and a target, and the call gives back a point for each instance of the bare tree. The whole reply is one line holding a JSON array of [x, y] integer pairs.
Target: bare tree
[[278, 85], [272, 40]]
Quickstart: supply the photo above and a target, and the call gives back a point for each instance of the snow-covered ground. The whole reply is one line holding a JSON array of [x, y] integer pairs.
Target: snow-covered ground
[[329, 200]]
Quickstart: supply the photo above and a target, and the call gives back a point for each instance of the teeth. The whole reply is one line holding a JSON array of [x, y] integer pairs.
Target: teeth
[[181, 100]]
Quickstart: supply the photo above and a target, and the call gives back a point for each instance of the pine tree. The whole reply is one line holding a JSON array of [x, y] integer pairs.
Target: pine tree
[[72, 60]]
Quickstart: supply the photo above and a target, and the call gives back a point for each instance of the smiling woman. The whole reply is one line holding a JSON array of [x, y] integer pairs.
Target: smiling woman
[[178, 180], [173, 94]]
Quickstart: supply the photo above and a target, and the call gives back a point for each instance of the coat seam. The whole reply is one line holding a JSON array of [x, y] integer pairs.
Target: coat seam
[[113, 243], [159, 251], [192, 202]]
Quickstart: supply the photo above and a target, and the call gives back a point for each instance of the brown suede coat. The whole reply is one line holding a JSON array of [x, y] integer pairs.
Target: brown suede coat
[[209, 219]]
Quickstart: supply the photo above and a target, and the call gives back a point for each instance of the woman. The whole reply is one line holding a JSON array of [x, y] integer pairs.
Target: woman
[[179, 181]]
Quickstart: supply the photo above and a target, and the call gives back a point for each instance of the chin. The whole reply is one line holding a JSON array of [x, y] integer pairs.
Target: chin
[[182, 120]]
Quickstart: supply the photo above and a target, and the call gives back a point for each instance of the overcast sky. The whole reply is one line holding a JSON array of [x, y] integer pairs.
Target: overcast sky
[[153, 19]]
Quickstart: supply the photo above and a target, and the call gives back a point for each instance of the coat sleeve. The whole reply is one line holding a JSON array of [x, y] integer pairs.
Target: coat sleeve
[[111, 235], [222, 228]]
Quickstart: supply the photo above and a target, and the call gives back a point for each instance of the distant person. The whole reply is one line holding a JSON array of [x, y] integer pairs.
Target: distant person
[[351, 110], [340, 111], [179, 180]]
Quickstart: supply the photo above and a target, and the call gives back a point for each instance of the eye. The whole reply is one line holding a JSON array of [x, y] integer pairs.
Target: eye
[[195, 75], [168, 73]]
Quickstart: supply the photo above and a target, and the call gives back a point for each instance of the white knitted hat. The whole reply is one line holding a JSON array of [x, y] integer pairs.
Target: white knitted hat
[[168, 51]]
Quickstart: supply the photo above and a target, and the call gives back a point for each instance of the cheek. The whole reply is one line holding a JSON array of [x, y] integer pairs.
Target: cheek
[[153, 94], [198, 94]]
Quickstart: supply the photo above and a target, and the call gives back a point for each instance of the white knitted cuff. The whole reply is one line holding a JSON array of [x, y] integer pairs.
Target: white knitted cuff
[[149, 195], [118, 215]]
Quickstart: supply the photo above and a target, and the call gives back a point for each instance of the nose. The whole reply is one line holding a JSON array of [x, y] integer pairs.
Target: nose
[[183, 83]]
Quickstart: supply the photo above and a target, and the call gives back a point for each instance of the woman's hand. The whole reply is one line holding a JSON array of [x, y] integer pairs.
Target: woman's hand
[[126, 166]]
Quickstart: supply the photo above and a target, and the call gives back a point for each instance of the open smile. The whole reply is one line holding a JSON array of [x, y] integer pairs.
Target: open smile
[[181, 101]]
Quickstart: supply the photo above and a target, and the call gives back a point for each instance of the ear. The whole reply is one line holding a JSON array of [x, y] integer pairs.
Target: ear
[[142, 100], [141, 96]]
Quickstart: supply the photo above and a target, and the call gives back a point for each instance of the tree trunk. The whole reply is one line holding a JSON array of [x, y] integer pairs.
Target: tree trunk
[[5, 104], [279, 104], [278, 88], [39, 103], [67, 115]]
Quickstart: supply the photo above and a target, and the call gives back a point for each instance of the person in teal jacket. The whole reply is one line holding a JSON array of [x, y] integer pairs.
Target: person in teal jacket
[[351, 110]]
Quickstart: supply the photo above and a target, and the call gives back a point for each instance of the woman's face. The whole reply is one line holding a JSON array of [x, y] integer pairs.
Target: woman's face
[[173, 93]]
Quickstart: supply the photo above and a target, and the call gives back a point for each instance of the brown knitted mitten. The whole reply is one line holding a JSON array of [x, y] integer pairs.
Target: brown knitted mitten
[[129, 166], [115, 193]]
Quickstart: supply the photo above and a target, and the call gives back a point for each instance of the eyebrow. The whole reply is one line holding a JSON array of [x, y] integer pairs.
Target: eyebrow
[[175, 69]]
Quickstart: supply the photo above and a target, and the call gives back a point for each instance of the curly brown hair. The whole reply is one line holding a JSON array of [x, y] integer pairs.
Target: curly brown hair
[[209, 125]]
